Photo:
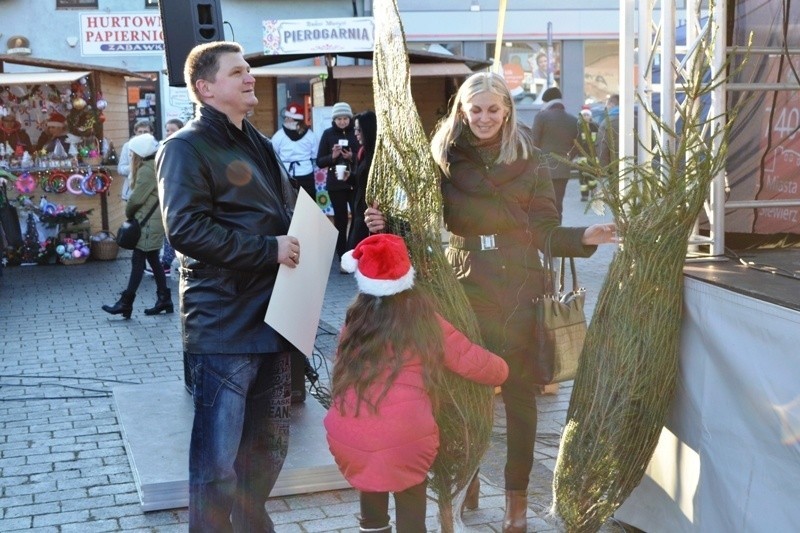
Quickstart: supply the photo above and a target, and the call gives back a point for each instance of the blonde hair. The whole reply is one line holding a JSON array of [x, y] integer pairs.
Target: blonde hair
[[515, 141], [136, 162]]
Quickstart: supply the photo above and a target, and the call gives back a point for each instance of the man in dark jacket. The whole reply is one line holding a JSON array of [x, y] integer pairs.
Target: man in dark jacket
[[608, 139], [227, 203], [555, 132]]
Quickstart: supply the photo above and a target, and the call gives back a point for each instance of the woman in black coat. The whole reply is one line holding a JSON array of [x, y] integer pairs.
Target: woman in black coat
[[499, 206], [339, 146], [366, 129]]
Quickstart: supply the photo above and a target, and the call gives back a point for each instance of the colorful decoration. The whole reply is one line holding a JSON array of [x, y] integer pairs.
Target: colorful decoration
[[63, 215], [74, 183], [100, 181], [25, 183]]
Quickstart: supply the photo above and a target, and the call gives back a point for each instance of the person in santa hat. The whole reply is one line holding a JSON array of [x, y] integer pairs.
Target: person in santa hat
[[296, 145], [11, 133], [56, 132], [393, 352]]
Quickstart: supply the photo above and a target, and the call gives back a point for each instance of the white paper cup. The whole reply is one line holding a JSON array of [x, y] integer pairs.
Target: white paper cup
[[340, 171]]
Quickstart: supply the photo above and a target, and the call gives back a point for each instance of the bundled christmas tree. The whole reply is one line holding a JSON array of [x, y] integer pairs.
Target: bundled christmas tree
[[404, 180], [629, 365]]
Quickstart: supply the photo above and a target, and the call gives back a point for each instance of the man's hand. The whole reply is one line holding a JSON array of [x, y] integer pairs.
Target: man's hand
[[288, 251]]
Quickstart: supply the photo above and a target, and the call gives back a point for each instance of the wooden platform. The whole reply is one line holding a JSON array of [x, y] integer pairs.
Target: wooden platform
[[156, 422]]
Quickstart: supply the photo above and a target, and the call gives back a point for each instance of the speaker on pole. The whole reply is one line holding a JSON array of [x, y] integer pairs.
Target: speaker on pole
[[187, 23]]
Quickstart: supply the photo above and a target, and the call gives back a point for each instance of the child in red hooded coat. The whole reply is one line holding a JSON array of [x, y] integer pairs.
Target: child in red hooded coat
[[392, 355]]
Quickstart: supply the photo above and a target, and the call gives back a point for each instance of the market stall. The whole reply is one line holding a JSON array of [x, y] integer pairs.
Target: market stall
[[62, 123]]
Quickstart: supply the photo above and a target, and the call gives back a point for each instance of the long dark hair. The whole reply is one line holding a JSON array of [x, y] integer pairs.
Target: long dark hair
[[380, 335], [368, 123]]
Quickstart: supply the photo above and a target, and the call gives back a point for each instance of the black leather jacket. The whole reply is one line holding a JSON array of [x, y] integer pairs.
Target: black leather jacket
[[225, 199]]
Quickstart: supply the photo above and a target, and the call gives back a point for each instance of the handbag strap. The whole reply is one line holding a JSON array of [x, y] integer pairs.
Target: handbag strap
[[557, 287], [149, 214]]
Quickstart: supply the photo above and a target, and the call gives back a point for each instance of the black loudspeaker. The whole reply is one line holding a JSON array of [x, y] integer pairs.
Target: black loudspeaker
[[187, 23]]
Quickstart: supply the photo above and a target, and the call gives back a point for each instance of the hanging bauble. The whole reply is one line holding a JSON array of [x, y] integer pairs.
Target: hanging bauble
[[101, 104], [84, 152], [84, 80], [101, 117], [79, 103]]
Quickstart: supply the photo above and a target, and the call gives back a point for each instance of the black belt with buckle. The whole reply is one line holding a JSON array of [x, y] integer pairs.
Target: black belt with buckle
[[479, 243]]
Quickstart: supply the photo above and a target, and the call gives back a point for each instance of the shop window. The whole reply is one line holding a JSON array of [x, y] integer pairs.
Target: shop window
[[151, 4], [529, 67], [76, 4], [143, 99], [600, 71]]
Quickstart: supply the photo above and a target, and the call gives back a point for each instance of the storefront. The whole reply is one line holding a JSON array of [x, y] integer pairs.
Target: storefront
[[68, 120]]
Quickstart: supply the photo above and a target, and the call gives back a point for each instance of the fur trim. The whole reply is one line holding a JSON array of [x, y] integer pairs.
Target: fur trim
[[384, 287]]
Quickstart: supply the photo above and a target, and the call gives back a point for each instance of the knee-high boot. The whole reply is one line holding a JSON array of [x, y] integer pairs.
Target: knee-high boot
[[516, 519], [124, 305], [471, 500], [163, 303]]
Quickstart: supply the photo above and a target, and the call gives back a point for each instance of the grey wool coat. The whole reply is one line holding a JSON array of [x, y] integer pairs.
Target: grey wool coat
[[143, 197]]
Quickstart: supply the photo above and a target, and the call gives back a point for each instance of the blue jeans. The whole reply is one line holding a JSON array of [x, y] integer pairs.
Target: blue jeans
[[239, 439]]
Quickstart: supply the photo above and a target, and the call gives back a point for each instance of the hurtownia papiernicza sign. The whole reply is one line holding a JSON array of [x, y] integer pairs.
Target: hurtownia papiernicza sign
[[308, 36]]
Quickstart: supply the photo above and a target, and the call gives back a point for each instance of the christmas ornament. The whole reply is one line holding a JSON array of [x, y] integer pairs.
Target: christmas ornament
[[25, 183], [79, 103]]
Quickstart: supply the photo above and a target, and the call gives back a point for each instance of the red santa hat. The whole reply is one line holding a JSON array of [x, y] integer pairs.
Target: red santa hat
[[381, 265], [295, 111], [56, 119]]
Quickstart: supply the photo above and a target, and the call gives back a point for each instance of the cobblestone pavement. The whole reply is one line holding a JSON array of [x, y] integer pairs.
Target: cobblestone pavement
[[62, 459]]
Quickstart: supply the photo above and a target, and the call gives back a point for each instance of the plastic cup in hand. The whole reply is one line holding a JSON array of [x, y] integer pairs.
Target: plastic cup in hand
[[340, 172]]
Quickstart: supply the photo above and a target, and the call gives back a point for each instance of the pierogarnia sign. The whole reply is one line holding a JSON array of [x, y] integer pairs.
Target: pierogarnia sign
[[324, 36]]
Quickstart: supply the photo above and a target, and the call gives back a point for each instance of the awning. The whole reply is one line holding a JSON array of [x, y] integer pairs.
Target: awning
[[349, 72], [275, 71], [417, 70], [38, 78]]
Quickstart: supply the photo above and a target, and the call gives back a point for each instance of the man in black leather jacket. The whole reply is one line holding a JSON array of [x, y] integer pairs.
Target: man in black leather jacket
[[226, 203]]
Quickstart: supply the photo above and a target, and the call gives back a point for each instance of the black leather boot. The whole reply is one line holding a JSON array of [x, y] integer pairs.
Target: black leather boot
[[124, 305], [163, 303]]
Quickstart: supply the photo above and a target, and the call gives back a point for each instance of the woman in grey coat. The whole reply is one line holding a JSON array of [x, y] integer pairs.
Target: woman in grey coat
[[144, 197]]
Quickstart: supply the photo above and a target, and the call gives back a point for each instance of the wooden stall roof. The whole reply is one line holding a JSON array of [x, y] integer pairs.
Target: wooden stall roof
[[347, 72], [414, 57], [63, 65]]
